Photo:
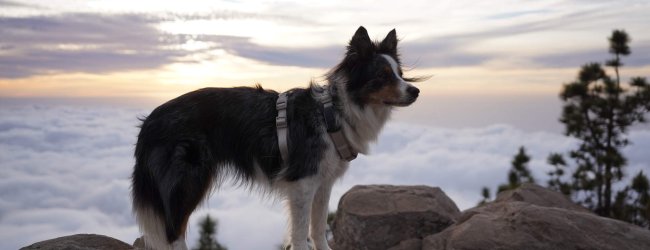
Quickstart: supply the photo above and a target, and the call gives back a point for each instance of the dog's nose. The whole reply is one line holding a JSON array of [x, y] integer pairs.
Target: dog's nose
[[413, 91]]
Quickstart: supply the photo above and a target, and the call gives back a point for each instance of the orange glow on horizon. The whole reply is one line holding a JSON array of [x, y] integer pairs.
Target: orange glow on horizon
[[170, 83]]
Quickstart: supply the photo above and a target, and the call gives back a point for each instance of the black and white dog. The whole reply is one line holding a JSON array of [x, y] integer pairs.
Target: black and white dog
[[192, 143]]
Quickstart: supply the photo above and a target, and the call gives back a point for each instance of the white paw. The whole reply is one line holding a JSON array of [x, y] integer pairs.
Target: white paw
[[306, 246]]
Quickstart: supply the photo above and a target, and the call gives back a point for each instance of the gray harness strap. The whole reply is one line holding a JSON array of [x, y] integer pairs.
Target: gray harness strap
[[281, 125], [346, 152]]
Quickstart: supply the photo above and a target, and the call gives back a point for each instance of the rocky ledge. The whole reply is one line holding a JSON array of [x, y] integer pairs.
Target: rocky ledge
[[530, 217]]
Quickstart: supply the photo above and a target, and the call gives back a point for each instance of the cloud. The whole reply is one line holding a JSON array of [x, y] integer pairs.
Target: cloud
[[98, 43], [321, 57], [430, 52], [318, 57], [83, 43], [442, 52], [640, 57], [10, 4], [515, 14], [461, 161], [65, 170], [451, 49], [101, 43]]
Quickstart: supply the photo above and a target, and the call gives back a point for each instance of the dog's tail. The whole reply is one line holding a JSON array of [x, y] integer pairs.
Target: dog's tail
[[148, 205], [153, 228], [166, 188]]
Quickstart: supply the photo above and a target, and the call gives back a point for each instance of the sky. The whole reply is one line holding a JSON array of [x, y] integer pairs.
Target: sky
[[161, 49], [75, 75]]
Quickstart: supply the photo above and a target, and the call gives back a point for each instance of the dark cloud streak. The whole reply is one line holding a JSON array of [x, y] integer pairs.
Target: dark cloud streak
[[640, 57], [95, 43], [321, 57], [12, 4]]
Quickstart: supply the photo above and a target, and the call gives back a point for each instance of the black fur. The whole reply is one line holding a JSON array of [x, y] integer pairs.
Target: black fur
[[188, 142]]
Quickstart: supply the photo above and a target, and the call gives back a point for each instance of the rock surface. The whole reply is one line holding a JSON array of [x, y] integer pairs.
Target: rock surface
[[533, 217], [537, 195], [139, 243], [520, 225], [80, 242], [381, 216], [411, 244]]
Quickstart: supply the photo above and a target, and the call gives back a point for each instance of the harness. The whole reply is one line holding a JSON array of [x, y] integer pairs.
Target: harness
[[324, 96]]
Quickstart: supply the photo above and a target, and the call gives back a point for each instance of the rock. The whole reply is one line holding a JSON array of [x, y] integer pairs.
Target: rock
[[139, 243], [411, 244], [535, 194], [507, 225], [80, 242], [382, 216]]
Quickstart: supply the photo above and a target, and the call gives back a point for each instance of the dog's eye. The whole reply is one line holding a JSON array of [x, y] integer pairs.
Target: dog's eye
[[386, 72]]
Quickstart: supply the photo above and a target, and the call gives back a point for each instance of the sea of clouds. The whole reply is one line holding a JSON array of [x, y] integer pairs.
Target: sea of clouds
[[65, 170]]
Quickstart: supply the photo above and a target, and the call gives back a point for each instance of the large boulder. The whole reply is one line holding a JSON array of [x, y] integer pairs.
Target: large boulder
[[532, 218], [381, 216], [80, 242]]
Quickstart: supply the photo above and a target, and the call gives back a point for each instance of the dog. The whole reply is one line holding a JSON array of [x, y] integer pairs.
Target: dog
[[190, 144]]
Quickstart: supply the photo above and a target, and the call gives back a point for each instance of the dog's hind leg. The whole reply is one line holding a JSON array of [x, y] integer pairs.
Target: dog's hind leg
[[300, 195], [319, 211]]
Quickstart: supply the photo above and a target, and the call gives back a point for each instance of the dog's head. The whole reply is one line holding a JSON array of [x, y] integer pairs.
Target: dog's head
[[373, 74]]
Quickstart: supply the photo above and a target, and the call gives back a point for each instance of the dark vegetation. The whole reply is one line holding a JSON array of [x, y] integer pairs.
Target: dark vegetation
[[208, 235]]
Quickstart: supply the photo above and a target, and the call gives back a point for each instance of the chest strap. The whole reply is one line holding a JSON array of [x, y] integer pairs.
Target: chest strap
[[281, 126], [346, 152]]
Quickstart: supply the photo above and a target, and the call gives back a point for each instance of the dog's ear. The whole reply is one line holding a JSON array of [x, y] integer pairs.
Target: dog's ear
[[361, 44], [389, 44]]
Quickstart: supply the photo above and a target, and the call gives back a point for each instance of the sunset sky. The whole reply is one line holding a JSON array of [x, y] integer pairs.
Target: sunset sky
[[161, 49], [75, 75]]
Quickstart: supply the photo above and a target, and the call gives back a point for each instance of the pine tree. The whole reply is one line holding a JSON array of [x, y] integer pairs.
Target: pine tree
[[598, 112], [518, 174], [556, 175], [485, 193], [632, 204], [641, 200], [207, 238]]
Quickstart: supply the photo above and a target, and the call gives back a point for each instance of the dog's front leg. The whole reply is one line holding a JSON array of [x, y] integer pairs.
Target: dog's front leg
[[301, 194], [319, 212]]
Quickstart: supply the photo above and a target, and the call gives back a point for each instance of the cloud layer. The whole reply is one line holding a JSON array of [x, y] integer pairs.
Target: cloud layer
[[65, 170]]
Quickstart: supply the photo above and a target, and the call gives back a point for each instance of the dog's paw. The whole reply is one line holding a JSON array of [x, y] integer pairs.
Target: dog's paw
[[308, 246]]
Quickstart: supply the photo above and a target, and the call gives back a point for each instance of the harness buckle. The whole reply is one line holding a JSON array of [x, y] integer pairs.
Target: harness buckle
[[281, 121], [281, 104]]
